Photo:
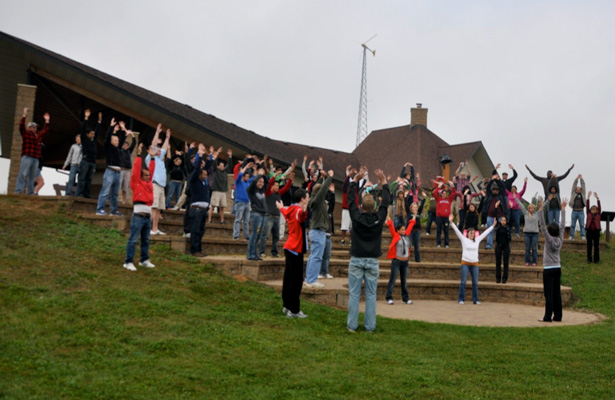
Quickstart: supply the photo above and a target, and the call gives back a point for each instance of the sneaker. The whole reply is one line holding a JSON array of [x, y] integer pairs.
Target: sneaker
[[438, 246], [461, 302], [117, 213], [408, 301], [186, 235], [153, 233], [289, 314], [351, 330], [321, 276], [527, 264], [533, 264], [198, 255], [582, 237], [235, 238], [517, 236], [344, 242], [300, 314], [101, 212], [130, 266], [427, 233], [446, 247], [314, 284], [329, 276], [477, 302], [275, 255], [284, 310], [159, 232], [147, 264], [389, 301]]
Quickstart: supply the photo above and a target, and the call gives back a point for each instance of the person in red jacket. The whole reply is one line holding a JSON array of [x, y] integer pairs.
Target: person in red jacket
[[399, 252], [294, 248], [592, 230], [143, 198], [444, 196]]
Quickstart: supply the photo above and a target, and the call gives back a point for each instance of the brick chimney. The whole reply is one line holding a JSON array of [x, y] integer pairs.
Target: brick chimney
[[418, 115]]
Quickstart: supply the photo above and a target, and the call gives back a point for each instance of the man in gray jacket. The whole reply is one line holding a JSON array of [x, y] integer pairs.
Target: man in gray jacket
[[73, 160]]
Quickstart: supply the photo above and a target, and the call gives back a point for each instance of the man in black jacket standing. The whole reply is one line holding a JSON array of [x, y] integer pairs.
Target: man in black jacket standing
[[89, 148], [365, 249]]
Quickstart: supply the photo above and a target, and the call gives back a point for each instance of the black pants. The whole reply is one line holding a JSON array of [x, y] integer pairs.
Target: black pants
[[593, 240], [442, 224], [293, 281], [553, 295], [197, 230], [86, 170], [501, 252]]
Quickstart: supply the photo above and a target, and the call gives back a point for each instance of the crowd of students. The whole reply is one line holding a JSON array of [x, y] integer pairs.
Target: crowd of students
[[265, 199]]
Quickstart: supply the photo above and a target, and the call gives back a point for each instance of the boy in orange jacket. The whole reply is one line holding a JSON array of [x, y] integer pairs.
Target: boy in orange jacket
[[399, 252]]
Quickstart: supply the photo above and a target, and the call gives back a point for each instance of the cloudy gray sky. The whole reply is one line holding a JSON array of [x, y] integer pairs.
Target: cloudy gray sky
[[534, 80]]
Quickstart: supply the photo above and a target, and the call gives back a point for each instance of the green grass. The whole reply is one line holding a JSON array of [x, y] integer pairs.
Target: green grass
[[75, 325]]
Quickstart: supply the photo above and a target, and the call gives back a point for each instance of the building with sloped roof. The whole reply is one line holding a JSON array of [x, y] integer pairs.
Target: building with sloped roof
[[44, 81]]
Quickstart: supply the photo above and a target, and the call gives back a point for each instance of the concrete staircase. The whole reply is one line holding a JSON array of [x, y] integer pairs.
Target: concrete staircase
[[436, 277]]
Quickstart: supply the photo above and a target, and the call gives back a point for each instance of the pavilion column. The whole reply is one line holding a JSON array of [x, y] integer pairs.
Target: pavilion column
[[26, 96]]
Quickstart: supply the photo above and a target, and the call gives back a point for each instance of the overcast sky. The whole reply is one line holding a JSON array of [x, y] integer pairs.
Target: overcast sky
[[533, 80]]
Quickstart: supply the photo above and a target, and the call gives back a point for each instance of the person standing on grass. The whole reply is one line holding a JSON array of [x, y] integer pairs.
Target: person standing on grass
[[160, 178], [73, 160], [319, 225], [199, 202], [502, 249], [469, 259], [140, 223], [552, 273], [365, 249], [399, 253], [30, 152], [530, 232], [294, 248], [592, 229]]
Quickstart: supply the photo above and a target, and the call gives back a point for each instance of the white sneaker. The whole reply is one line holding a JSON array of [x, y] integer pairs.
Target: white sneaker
[[389, 301], [477, 302], [187, 235], [146, 264], [130, 266], [153, 233], [314, 284], [461, 302], [159, 232], [408, 301], [329, 276], [321, 276]]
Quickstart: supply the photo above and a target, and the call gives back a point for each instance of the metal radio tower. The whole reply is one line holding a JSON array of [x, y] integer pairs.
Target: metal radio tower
[[362, 122]]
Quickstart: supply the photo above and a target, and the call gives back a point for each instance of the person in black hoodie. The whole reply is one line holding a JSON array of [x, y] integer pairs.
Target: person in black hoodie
[[177, 174], [365, 249], [87, 167], [114, 139], [502, 250]]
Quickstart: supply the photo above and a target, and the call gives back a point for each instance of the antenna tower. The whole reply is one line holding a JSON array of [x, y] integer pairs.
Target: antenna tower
[[362, 121]]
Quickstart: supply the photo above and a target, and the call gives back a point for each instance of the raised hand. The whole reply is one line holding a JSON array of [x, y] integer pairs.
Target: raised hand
[[564, 202], [112, 123], [46, 117], [159, 128], [279, 204], [525, 180], [25, 111], [229, 153], [86, 113], [510, 166], [122, 125], [589, 194], [168, 133], [100, 116]]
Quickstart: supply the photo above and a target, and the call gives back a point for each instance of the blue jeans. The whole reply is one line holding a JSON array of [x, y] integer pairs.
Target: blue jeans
[[415, 240], [175, 190], [72, 178], [272, 226], [198, 217], [110, 189], [257, 228], [28, 169], [86, 170], [464, 277], [515, 220], [531, 247], [490, 236], [242, 215], [326, 257], [577, 216], [317, 248], [401, 268], [358, 270], [553, 216], [140, 226]]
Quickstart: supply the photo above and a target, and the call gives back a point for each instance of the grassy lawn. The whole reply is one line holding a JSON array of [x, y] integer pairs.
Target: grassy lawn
[[75, 325]]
